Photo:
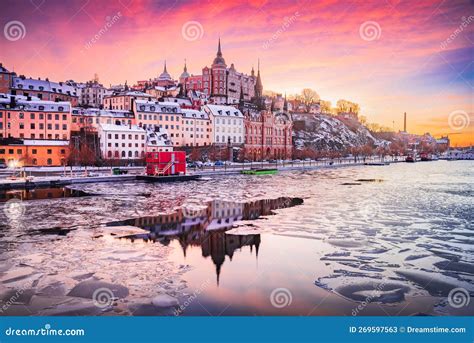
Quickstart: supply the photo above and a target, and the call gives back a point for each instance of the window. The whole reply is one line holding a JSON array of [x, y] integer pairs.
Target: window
[[50, 151], [63, 151], [32, 116], [49, 162], [34, 151], [35, 161]]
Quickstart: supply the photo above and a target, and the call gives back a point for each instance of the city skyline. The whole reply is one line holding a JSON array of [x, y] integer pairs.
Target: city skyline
[[391, 58]]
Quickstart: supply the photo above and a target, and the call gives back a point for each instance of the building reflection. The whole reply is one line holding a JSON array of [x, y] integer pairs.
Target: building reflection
[[206, 227], [39, 194]]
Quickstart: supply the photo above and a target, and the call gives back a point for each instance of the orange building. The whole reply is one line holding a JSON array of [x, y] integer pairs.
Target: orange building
[[27, 152], [167, 115], [124, 100], [30, 118], [91, 118]]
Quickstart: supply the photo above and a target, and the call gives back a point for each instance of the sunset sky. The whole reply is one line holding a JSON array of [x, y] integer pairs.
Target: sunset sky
[[389, 56]]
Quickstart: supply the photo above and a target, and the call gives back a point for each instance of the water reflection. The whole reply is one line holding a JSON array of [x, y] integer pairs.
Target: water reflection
[[40, 193], [206, 226]]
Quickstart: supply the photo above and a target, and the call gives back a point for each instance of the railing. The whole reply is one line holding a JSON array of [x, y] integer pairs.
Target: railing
[[165, 169]]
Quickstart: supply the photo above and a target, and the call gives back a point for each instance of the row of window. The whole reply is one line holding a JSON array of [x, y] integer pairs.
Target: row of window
[[34, 161], [116, 136], [224, 139], [130, 154], [33, 151], [163, 109], [41, 116], [40, 136]]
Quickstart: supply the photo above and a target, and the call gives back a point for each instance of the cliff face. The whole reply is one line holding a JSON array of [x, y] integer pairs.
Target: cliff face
[[323, 132]]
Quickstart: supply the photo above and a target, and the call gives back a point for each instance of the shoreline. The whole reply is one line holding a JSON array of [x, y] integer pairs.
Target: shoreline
[[59, 181]]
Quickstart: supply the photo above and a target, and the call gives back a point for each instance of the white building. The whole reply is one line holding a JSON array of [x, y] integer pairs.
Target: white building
[[122, 141], [197, 128], [227, 124]]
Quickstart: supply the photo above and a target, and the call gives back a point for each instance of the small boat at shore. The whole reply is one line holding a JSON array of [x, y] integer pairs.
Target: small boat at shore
[[268, 171], [410, 159]]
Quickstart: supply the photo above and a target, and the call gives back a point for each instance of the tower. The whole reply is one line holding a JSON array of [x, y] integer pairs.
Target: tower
[[405, 122], [218, 74], [285, 105]]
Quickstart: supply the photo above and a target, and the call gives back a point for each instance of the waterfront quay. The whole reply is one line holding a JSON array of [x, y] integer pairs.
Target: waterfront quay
[[58, 177]]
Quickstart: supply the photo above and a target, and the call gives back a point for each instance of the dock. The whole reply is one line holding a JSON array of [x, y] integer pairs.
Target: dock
[[172, 178]]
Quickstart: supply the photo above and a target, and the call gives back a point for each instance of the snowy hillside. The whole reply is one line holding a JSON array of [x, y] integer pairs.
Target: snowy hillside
[[324, 132]]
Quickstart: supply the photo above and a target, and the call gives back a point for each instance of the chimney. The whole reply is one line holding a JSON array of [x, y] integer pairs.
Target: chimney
[[405, 122]]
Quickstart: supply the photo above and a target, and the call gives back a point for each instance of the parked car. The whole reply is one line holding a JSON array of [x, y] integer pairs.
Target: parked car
[[219, 163], [192, 165], [208, 164], [296, 161], [3, 166], [272, 161]]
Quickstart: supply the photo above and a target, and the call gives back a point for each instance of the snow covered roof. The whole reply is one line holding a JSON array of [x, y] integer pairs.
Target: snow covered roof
[[95, 112], [23, 103], [157, 106], [194, 114], [43, 86], [223, 111], [34, 142], [130, 93], [45, 142], [181, 101], [121, 128], [158, 138]]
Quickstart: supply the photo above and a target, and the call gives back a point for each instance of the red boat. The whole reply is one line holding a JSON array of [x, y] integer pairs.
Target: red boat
[[166, 163], [410, 158]]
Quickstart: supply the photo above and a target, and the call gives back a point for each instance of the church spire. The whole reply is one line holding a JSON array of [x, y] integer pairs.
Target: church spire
[[164, 70], [258, 84], [185, 66], [285, 105], [219, 52]]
